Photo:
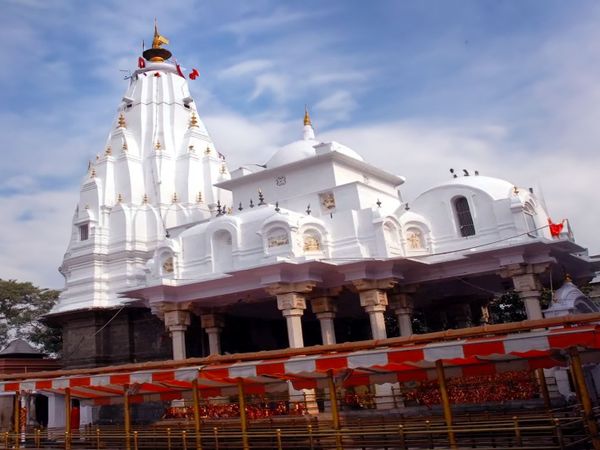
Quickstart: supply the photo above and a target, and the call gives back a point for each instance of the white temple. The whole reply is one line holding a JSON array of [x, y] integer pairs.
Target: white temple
[[236, 259]]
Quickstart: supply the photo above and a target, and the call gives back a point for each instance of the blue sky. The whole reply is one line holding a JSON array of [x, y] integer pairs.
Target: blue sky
[[506, 87]]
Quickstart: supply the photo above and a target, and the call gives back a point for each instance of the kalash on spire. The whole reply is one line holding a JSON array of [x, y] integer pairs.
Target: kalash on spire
[[154, 175]]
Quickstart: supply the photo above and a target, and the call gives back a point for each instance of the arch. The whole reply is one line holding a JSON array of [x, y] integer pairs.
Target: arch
[[277, 236], [464, 218], [312, 241], [391, 234], [530, 216], [222, 250]]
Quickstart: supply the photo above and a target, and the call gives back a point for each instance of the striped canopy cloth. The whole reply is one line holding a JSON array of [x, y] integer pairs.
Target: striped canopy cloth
[[412, 362]]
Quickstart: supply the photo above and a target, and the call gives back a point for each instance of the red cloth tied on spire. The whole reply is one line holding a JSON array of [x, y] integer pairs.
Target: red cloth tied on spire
[[141, 62], [194, 74], [179, 72], [555, 228]]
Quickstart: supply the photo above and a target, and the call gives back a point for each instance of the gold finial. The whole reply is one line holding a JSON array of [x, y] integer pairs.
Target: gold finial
[[97, 157], [108, 151], [119, 198], [124, 148], [199, 197], [229, 210], [157, 146], [175, 199], [158, 40], [223, 169], [145, 199], [193, 121], [93, 174], [306, 117], [207, 151], [121, 122], [568, 278]]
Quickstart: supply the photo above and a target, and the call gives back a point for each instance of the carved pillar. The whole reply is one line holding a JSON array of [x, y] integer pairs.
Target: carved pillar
[[373, 299], [324, 308], [177, 319], [291, 301], [403, 305], [212, 324], [526, 282]]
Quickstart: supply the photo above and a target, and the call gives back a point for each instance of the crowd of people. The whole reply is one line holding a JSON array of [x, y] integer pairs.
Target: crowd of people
[[257, 410]]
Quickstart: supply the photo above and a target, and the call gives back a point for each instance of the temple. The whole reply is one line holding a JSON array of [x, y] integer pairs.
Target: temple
[[173, 256]]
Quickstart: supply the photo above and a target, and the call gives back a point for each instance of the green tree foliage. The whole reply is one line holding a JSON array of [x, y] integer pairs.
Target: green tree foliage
[[21, 307], [509, 307]]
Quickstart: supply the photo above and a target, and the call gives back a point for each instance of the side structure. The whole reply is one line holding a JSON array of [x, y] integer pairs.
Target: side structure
[[156, 171]]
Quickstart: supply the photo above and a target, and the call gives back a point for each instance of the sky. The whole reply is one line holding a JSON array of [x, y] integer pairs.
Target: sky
[[508, 88]]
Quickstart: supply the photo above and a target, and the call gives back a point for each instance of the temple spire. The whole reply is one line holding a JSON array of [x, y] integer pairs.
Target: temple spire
[[157, 53], [309, 132]]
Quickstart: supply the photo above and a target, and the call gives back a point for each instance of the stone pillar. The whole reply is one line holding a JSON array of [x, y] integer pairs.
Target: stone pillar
[[325, 309], [177, 320], [291, 301], [526, 282], [403, 306], [373, 299], [213, 324]]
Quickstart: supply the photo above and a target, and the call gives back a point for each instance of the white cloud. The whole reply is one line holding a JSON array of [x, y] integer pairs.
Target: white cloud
[[245, 68], [337, 106]]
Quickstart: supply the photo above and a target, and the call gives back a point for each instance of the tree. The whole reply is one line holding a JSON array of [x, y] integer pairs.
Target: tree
[[509, 307], [22, 305]]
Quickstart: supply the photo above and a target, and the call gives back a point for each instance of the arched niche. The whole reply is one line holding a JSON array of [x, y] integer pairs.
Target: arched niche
[[222, 250]]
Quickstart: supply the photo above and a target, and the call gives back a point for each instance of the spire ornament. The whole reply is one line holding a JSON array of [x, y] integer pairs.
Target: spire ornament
[[307, 121], [108, 151], [145, 199], [199, 197], [157, 53], [193, 121], [121, 121], [157, 146]]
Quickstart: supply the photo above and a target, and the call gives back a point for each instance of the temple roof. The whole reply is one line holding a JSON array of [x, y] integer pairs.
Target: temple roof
[[19, 347]]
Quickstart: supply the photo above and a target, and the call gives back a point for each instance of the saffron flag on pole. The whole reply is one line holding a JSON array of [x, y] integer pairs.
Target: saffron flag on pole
[[141, 62], [179, 72], [194, 74], [555, 228]]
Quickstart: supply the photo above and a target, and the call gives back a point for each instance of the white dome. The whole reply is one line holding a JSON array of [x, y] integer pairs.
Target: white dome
[[494, 187], [346, 151], [295, 151]]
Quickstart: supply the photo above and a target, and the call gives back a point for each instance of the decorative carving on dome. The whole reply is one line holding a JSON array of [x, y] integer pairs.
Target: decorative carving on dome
[[158, 146], [327, 200], [278, 240], [414, 238], [311, 243], [108, 151], [167, 265], [207, 151]]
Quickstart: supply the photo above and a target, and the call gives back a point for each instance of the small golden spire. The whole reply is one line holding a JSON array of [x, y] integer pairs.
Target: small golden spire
[[93, 174], [145, 199], [157, 146], [119, 198], [223, 169], [193, 121], [108, 151], [207, 151], [199, 197], [124, 147], [121, 122], [306, 117], [175, 198], [158, 40], [191, 149]]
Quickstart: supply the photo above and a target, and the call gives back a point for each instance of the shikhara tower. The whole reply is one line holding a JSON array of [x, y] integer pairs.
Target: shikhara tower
[[156, 171]]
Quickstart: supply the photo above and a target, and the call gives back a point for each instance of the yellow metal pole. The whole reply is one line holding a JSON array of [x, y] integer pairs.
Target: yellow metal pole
[[17, 419], [586, 403], [543, 388], [127, 417], [67, 418], [196, 396], [439, 367], [243, 418], [335, 412]]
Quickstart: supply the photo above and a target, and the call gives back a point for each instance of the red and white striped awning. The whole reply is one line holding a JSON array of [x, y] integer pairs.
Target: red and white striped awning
[[472, 356]]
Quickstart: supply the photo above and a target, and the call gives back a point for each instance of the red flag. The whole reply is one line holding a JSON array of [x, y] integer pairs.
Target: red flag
[[555, 228], [194, 74], [179, 72], [141, 62]]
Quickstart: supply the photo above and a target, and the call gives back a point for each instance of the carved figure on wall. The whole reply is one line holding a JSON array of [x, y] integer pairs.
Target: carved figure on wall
[[415, 239], [311, 243], [278, 240]]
